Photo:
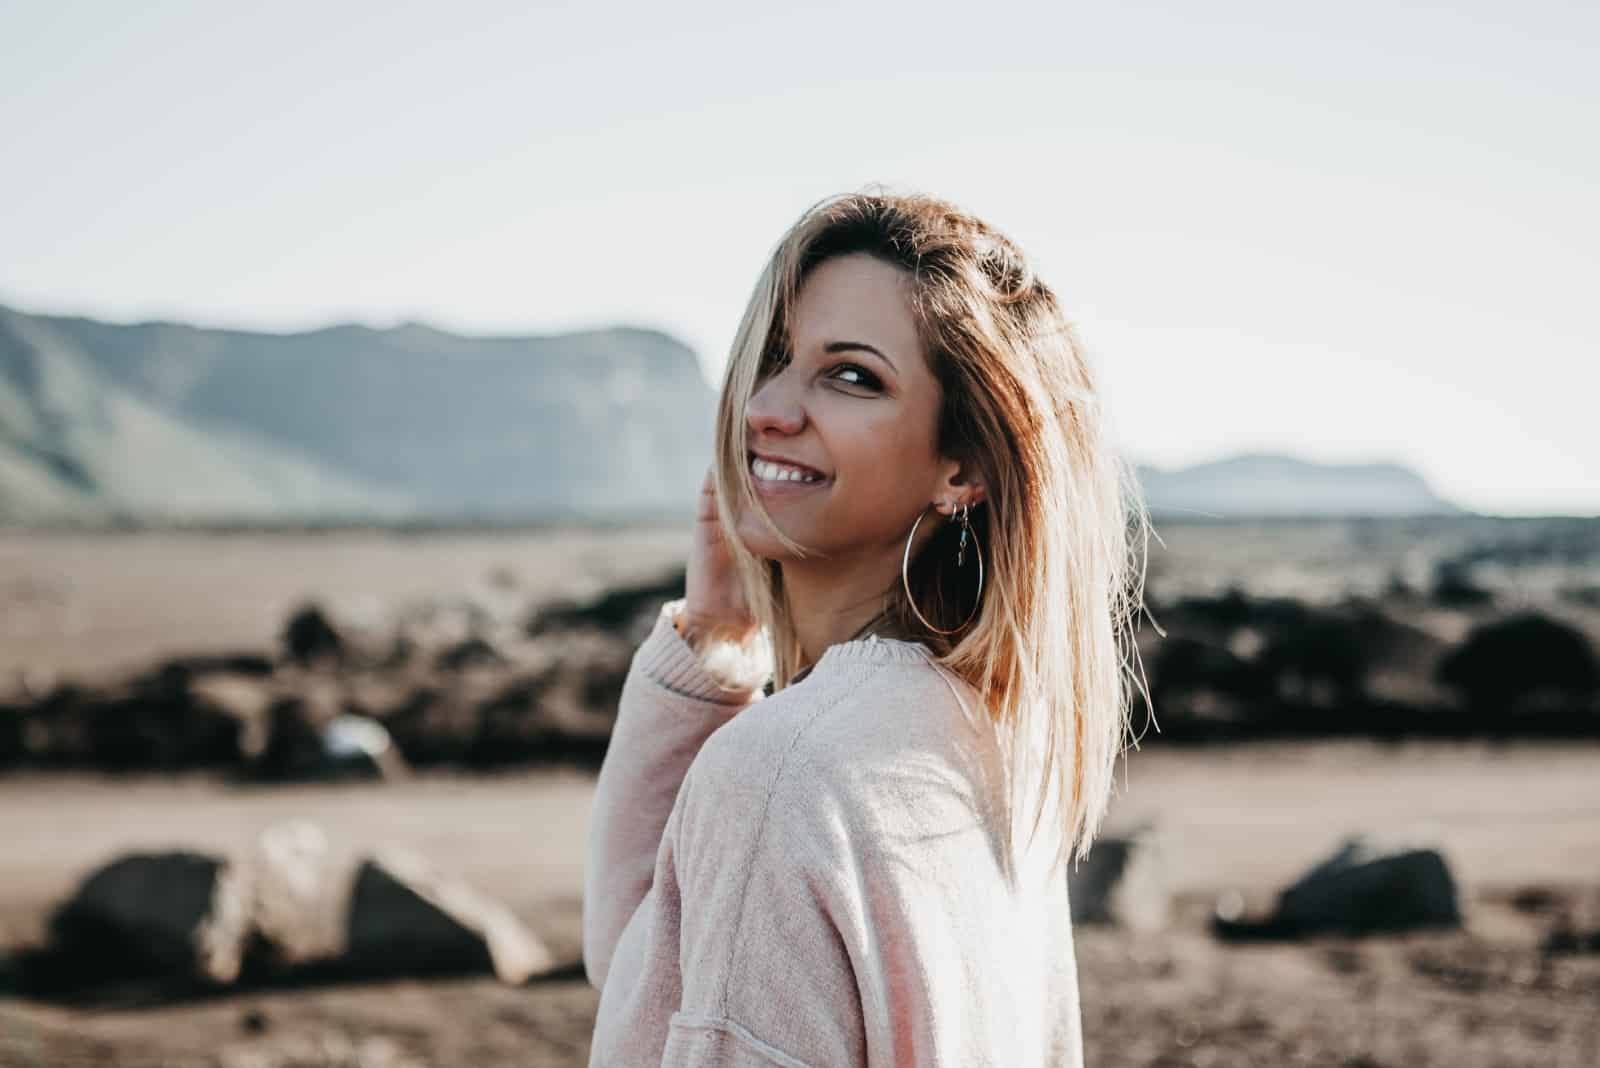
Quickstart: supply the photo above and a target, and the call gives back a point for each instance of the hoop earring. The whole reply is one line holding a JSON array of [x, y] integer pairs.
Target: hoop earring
[[905, 562]]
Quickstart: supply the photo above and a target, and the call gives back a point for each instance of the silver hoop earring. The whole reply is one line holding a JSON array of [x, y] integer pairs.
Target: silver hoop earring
[[961, 552]]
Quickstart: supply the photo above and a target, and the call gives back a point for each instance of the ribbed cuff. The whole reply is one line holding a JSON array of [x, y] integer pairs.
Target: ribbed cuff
[[724, 672]]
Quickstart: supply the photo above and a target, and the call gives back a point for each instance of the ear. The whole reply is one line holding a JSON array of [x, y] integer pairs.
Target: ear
[[961, 484]]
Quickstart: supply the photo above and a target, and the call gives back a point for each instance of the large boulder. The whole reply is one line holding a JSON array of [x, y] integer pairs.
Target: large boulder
[[294, 907], [1365, 887], [143, 915], [383, 914], [1507, 661], [403, 918]]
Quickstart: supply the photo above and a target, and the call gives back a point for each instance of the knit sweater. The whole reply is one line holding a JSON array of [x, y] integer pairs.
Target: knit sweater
[[816, 878]]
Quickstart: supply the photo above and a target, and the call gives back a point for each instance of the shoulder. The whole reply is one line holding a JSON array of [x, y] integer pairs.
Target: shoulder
[[866, 710], [854, 758]]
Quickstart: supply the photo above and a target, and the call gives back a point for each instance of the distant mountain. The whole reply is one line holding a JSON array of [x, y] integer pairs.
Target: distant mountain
[[1262, 484], [167, 421], [161, 421]]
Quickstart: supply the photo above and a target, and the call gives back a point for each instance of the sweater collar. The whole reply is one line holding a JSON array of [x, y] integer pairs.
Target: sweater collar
[[872, 649]]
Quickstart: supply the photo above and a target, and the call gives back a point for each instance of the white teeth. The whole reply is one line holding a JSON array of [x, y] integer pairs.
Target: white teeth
[[771, 472]]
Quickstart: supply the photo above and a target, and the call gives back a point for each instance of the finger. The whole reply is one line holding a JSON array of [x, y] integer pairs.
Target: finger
[[708, 496]]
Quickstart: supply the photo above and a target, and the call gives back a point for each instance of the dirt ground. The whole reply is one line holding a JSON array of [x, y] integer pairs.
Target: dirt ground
[[82, 605], [1519, 823], [1509, 818]]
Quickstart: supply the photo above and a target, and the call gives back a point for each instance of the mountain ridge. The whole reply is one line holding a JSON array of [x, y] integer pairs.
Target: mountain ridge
[[162, 420]]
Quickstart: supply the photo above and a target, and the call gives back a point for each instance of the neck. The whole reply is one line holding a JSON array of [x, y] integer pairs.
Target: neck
[[827, 604]]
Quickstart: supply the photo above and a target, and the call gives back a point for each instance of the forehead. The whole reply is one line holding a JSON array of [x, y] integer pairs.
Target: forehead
[[857, 297]]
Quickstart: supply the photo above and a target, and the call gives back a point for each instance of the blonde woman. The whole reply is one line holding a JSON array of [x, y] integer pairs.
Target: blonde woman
[[916, 530]]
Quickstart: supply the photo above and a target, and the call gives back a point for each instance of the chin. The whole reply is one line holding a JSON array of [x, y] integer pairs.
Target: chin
[[761, 542], [763, 546]]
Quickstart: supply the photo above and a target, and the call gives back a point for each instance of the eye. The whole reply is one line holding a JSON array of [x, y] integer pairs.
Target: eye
[[864, 377]]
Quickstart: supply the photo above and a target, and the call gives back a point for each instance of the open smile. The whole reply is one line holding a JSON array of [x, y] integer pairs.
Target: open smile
[[784, 480]]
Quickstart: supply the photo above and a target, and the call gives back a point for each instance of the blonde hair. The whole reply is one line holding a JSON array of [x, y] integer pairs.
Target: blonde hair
[[1051, 641]]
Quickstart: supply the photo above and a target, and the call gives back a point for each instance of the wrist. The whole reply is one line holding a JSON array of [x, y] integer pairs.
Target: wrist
[[695, 629]]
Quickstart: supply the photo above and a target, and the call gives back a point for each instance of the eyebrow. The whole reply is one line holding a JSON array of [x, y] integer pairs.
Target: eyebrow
[[862, 346]]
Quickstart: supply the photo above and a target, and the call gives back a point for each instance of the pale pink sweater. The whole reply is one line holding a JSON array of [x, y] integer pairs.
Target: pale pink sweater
[[815, 878]]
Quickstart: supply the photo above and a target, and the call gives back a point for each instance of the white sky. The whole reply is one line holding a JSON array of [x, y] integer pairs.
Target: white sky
[[1349, 232]]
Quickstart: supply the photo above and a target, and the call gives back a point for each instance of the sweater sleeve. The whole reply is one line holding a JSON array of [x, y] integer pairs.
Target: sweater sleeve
[[673, 699]]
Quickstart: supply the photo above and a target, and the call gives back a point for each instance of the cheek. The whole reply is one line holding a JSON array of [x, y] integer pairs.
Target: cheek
[[881, 468]]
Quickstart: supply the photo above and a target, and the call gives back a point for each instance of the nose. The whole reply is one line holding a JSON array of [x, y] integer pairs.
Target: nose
[[775, 407]]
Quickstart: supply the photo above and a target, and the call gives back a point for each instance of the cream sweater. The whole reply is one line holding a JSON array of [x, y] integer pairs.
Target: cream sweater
[[815, 878]]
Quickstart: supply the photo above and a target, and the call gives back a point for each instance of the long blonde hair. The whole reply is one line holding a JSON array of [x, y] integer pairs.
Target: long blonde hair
[[1051, 649]]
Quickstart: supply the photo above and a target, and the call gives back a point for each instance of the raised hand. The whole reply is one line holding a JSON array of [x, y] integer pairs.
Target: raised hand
[[714, 600]]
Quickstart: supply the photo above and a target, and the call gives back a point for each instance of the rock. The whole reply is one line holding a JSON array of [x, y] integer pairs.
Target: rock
[[1121, 882], [356, 915], [356, 746], [308, 738], [295, 907], [1506, 661], [622, 611], [1364, 888], [298, 892], [310, 636], [475, 651], [144, 915], [406, 919]]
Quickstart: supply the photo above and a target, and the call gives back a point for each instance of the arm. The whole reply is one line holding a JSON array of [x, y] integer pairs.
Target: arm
[[675, 695]]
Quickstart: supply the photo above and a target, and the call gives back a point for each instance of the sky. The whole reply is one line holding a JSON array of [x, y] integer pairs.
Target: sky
[[1351, 233]]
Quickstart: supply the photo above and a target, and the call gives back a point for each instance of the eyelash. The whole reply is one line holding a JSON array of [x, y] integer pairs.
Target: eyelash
[[871, 380]]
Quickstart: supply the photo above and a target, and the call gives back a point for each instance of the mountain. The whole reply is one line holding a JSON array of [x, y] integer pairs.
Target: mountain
[[164, 421], [1263, 484], [168, 421]]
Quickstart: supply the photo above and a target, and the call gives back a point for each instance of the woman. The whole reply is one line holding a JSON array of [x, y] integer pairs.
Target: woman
[[834, 874]]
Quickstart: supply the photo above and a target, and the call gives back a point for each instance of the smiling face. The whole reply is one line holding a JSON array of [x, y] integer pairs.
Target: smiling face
[[855, 403]]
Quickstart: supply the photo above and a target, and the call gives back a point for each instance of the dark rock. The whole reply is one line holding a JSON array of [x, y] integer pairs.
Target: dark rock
[[310, 636], [404, 920], [1184, 665], [309, 744], [139, 916], [475, 651], [615, 610], [1565, 940], [196, 665], [151, 722], [1506, 661], [1453, 586], [1364, 888]]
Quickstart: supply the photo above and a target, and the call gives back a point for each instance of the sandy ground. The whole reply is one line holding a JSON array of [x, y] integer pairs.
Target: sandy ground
[[83, 605], [1508, 818]]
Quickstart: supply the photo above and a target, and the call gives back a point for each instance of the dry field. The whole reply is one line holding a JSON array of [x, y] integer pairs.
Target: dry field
[[80, 605], [1510, 817], [1247, 818]]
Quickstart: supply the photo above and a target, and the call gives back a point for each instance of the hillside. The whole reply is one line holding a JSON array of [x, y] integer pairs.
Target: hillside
[[164, 420], [1266, 485]]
